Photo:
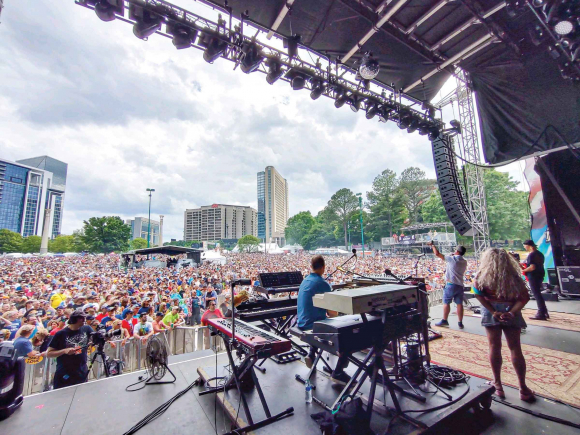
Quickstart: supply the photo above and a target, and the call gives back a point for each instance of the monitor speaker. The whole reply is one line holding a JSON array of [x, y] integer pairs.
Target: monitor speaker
[[450, 188]]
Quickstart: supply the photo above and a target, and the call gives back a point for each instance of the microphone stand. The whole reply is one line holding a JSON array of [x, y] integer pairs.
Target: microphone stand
[[417, 264], [338, 268], [235, 283]]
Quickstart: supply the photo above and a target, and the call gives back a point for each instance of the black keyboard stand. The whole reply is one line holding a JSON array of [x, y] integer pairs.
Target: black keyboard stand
[[282, 329], [238, 373], [318, 354]]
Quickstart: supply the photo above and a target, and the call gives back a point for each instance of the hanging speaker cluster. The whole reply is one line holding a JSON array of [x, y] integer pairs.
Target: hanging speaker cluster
[[450, 188]]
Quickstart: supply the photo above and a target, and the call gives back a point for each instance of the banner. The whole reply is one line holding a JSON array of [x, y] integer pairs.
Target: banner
[[539, 231]]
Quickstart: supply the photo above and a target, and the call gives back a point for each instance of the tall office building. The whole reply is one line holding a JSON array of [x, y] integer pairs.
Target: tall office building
[[219, 222], [27, 188], [140, 228], [273, 198]]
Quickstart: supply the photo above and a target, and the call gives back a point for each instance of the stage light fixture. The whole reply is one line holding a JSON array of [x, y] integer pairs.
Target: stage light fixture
[[373, 108], [146, 22], [455, 128], [107, 10], [433, 133], [369, 67], [274, 70], [538, 3], [215, 45], [297, 78], [317, 88], [251, 57], [291, 44], [405, 119], [424, 128], [342, 97], [536, 33], [385, 112], [413, 125], [355, 102], [183, 36], [564, 27]]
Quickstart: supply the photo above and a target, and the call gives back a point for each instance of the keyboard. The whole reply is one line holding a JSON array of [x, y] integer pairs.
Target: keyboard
[[253, 340]]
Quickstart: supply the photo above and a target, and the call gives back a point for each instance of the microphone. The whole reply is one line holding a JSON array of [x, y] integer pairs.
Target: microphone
[[354, 252], [421, 255]]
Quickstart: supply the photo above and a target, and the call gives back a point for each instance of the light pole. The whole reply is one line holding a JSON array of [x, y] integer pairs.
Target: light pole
[[362, 234], [349, 245], [149, 220]]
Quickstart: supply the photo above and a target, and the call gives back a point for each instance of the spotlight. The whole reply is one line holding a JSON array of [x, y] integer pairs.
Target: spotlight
[[341, 97], [146, 22], [373, 109], [317, 88], [424, 128], [455, 128], [433, 133], [564, 27], [413, 125], [274, 70], [536, 33], [385, 112], [297, 78], [251, 57], [538, 3], [369, 67], [183, 36], [107, 10], [355, 102], [514, 7], [405, 119], [215, 45]]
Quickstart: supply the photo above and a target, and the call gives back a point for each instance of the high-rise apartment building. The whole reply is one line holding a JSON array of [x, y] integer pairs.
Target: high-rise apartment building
[[140, 228], [219, 222], [27, 188], [273, 196]]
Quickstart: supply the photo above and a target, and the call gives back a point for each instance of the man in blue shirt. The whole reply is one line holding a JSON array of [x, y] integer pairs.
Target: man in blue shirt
[[312, 285]]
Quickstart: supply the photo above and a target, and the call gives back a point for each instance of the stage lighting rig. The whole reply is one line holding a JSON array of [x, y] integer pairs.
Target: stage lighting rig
[[250, 57], [341, 96], [275, 70], [146, 22], [107, 10], [317, 88], [355, 102], [454, 130], [388, 110], [291, 44], [413, 125], [183, 36], [369, 67], [405, 118], [215, 45], [373, 109]]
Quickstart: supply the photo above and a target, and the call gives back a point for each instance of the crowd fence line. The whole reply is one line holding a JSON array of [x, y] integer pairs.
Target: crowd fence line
[[181, 340]]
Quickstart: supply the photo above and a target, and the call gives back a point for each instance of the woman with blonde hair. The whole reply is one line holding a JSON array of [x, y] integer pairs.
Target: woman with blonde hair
[[502, 293]]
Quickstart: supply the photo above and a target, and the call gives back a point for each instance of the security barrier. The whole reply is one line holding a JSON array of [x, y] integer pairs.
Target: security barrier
[[182, 340]]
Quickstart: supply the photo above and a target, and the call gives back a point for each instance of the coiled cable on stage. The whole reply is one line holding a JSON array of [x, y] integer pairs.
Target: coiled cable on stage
[[444, 376]]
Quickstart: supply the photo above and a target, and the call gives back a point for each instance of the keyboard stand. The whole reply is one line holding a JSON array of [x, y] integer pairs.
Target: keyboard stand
[[282, 328], [238, 373], [313, 368]]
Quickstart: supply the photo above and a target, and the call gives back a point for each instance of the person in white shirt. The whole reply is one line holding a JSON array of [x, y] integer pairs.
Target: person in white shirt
[[143, 329]]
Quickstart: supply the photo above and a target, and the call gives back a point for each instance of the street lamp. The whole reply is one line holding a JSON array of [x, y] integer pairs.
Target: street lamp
[[349, 245], [149, 221], [362, 234]]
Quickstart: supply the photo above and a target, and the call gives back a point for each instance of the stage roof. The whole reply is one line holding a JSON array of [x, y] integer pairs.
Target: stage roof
[[519, 88], [167, 250]]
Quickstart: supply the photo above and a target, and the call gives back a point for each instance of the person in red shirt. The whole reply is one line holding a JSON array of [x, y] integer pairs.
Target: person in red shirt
[[129, 322], [104, 313], [61, 324], [212, 312]]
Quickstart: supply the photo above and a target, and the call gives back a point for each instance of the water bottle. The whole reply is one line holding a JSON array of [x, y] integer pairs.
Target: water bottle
[[308, 392]]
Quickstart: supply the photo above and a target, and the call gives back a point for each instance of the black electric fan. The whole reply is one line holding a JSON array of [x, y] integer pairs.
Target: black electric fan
[[155, 364]]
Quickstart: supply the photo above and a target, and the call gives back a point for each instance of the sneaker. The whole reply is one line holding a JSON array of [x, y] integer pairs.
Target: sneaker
[[340, 378], [444, 323], [309, 362], [460, 324]]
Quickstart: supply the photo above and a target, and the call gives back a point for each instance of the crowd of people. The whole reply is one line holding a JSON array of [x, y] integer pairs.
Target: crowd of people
[[39, 296]]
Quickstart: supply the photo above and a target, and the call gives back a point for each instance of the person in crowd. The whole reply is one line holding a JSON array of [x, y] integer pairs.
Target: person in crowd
[[535, 273], [212, 312], [502, 294], [69, 347], [455, 267], [210, 295], [312, 285], [129, 322], [143, 329], [15, 323], [196, 307], [22, 344], [117, 332], [158, 325], [171, 318]]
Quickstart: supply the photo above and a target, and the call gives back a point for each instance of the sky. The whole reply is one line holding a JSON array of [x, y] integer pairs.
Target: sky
[[127, 115]]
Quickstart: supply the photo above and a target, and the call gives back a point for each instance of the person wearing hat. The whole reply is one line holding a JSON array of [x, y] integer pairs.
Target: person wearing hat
[[108, 320], [58, 298], [158, 325], [535, 272], [69, 347]]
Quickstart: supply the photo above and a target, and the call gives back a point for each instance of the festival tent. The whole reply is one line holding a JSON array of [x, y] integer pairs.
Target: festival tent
[[213, 257]]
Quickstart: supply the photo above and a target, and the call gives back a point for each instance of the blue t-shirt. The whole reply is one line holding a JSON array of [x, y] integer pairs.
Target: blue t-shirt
[[312, 285], [23, 346], [13, 328]]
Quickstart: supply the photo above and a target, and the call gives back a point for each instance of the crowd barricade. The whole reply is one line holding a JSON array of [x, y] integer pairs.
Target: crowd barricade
[[435, 297], [182, 340]]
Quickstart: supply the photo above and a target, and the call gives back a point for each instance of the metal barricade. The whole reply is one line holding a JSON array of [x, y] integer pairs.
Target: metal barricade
[[435, 297], [181, 340]]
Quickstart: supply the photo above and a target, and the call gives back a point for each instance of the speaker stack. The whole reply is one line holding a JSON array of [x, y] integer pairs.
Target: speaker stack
[[450, 188]]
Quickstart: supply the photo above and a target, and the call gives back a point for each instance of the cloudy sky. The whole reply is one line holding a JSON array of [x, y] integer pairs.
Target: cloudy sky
[[127, 114]]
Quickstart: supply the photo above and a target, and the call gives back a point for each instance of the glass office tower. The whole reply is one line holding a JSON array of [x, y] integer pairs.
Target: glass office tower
[[261, 207]]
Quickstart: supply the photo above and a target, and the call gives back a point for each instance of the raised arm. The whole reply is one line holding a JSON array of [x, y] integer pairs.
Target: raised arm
[[436, 251]]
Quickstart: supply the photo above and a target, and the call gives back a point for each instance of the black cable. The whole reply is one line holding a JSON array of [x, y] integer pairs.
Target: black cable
[[537, 414]]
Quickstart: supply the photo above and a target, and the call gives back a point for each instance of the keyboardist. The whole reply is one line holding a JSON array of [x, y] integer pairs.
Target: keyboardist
[[308, 314]]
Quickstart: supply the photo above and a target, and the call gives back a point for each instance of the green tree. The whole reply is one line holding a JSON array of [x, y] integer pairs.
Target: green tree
[[78, 243], [385, 186], [316, 237], [248, 243], [298, 226], [10, 241], [106, 234], [138, 243], [343, 203], [31, 244], [61, 244], [433, 210], [387, 205], [416, 188], [507, 208]]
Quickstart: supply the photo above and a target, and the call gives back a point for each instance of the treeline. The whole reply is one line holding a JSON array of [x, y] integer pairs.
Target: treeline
[[396, 201]]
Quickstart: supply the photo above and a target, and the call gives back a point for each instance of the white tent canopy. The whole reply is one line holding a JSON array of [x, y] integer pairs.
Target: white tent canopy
[[213, 257]]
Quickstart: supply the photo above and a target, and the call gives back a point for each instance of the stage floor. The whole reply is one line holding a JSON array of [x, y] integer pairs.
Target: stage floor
[[104, 407]]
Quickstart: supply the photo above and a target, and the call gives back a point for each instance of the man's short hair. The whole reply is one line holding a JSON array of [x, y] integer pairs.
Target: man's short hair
[[317, 262], [461, 250]]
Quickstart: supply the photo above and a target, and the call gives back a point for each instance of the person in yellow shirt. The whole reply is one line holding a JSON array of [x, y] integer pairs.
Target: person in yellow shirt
[[57, 298]]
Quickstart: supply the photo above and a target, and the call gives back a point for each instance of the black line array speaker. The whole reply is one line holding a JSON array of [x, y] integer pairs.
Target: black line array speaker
[[450, 187]]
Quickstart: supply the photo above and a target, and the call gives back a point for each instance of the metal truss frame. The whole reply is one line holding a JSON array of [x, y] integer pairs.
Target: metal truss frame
[[473, 174]]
